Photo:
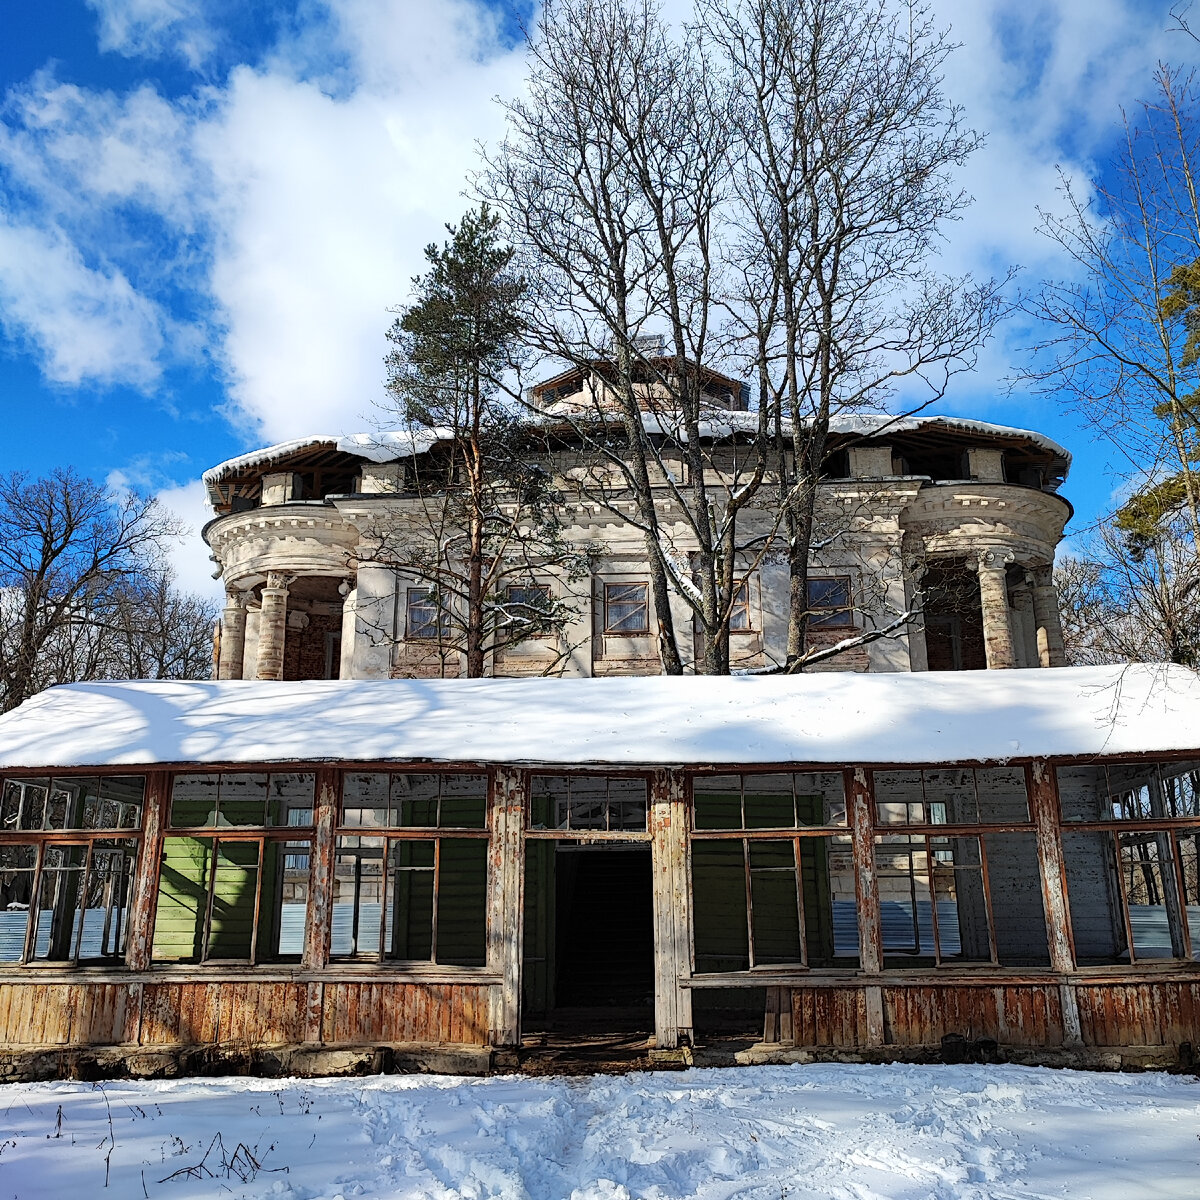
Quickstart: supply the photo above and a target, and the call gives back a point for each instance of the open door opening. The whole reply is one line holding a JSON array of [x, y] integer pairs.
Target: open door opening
[[589, 939]]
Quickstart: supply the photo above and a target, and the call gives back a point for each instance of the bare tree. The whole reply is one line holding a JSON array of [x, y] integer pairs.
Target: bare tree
[[845, 146], [72, 553], [482, 527], [1132, 600], [1116, 343], [154, 631], [611, 180], [761, 189]]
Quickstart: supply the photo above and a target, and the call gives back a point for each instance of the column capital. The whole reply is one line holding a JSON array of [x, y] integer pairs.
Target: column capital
[[279, 581], [236, 598], [993, 559]]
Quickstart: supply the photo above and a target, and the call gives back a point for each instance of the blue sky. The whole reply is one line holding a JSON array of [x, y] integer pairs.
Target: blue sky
[[207, 207]]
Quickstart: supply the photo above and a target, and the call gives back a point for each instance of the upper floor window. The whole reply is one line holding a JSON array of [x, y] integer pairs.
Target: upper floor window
[[739, 609], [627, 609], [529, 606], [829, 602], [425, 618]]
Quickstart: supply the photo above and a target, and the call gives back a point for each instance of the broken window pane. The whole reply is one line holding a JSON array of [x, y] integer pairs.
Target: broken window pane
[[364, 800]]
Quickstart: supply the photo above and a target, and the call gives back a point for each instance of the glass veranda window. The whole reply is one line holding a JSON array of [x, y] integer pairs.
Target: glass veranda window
[[236, 889], [402, 896]]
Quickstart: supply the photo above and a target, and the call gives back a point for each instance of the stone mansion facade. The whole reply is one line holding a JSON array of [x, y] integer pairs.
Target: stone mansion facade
[[954, 520]]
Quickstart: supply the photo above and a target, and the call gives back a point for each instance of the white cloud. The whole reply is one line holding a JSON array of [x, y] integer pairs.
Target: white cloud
[[83, 323], [145, 28], [324, 203], [298, 194], [189, 556]]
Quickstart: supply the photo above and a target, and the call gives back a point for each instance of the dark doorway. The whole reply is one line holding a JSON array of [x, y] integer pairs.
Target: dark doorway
[[589, 938], [953, 618]]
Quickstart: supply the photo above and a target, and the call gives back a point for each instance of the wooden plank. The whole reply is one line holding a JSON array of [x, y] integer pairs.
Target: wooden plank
[[1046, 811], [143, 904], [668, 826], [320, 887], [860, 798], [506, 902], [1044, 807]]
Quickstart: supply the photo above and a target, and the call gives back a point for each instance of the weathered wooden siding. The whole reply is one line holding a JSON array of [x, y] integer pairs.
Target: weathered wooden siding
[[1140, 1014], [242, 1013], [1013, 1015], [829, 1017]]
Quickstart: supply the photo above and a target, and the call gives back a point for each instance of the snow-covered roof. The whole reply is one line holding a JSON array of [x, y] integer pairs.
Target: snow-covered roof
[[388, 445], [835, 718]]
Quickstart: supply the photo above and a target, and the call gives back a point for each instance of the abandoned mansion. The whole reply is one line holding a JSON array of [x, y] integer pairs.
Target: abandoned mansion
[[953, 521], [341, 854]]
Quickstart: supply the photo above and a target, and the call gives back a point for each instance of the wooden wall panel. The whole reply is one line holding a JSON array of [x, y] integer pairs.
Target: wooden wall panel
[[1139, 1014], [922, 1016], [829, 1017], [367, 1013], [1031, 1016]]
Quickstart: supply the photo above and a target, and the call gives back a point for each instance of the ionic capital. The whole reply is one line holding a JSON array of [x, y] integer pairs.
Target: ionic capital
[[994, 560]]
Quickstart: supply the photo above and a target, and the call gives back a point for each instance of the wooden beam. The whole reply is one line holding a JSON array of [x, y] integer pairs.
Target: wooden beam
[[668, 821], [139, 946], [506, 903], [860, 804], [1045, 809], [326, 801]]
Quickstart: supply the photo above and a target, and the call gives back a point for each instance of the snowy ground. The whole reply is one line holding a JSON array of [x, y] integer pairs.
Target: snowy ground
[[774, 1133]]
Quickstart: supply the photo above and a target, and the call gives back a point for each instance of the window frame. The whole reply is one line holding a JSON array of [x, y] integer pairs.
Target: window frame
[[289, 838], [1114, 828], [608, 629], [44, 839], [740, 602], [439, 623], [541, 627], [830, 616], [390, 835], [569, 833], [795, 834]]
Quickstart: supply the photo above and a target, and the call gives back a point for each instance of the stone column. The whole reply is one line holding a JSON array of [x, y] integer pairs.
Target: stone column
[[1051, 651], [993, 597], [375, 620], [349, 595], [233, 635], [250, 651], [272, 626], [1024, 627]]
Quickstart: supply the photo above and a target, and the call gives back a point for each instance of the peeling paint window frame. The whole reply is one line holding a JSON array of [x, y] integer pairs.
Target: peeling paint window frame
[[107, 827], [833, 830]]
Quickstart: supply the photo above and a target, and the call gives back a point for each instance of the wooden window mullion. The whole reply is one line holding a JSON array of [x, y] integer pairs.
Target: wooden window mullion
[[987, 901], [931, 884], [208, 898]]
